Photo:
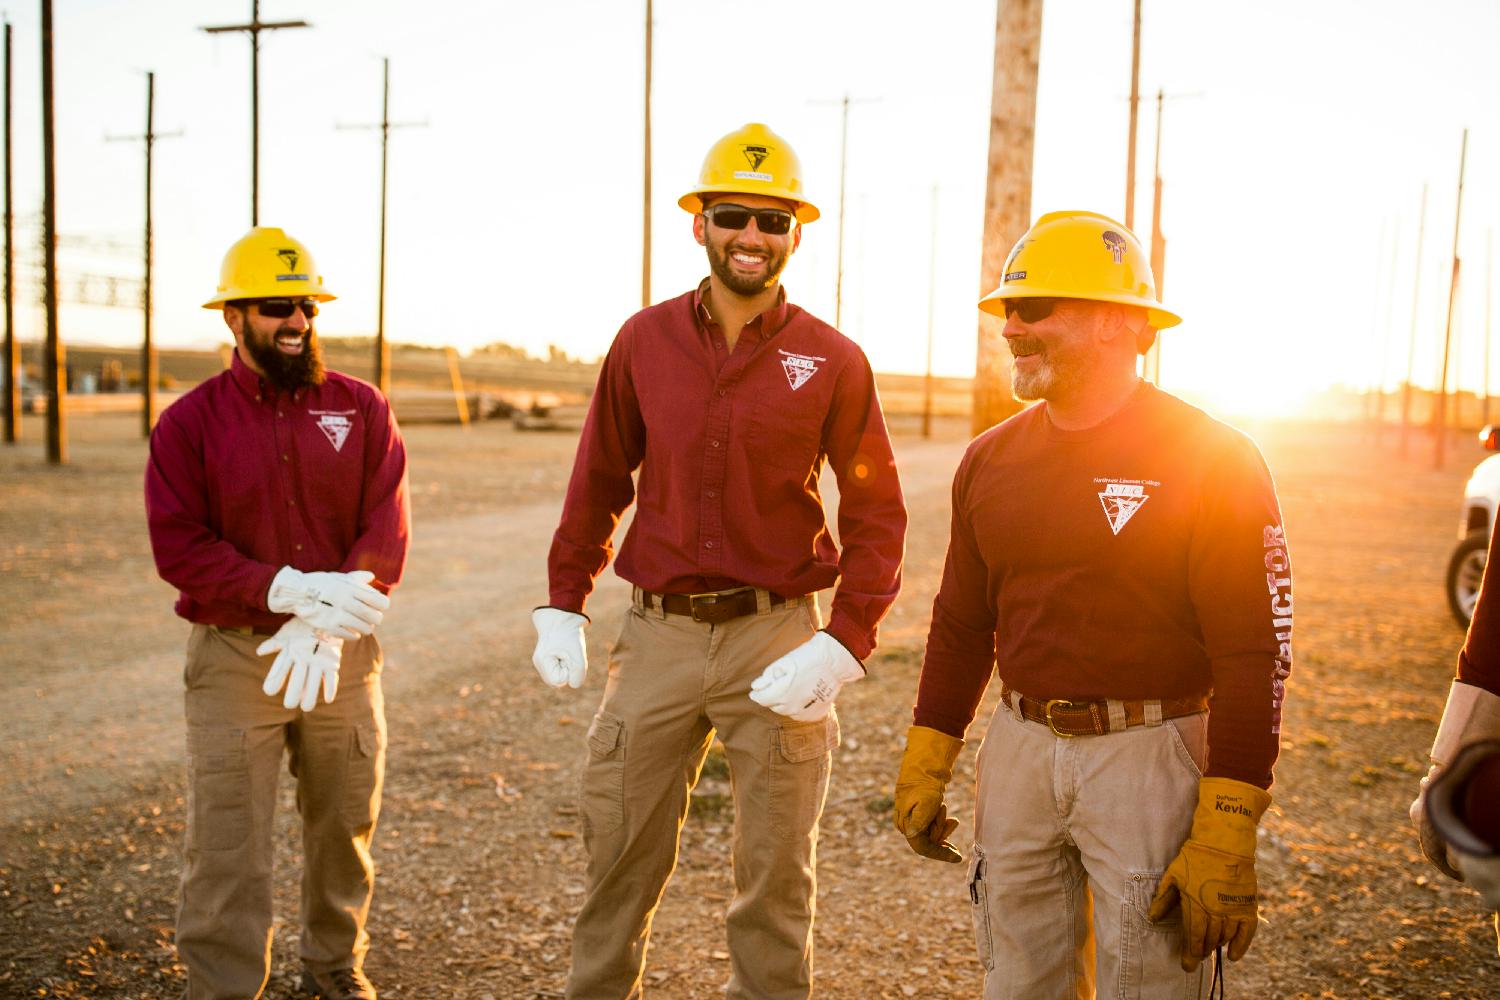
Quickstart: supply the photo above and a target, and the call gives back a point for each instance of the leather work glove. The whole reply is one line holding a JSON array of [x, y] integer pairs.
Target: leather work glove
[[342, 604], [306, 659], [560, 656], [802, 684], [921, 813], [1472, 713], [1213, 876], [1462, 803]]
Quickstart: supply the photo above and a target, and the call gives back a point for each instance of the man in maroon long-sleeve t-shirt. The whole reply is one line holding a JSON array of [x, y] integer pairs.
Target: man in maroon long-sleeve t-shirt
[[277, 503], [727, 401]]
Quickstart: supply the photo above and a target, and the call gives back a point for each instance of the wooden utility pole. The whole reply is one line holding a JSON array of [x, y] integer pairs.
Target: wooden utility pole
[[1158, 239], [382, 377], [253, 29], [1368, 396], [12, 346], [1411, 344], [1489, 276], [1135, 100], [931, 303], [1440, 416], [57, 363], [1385, 340], [838, 281], [646, 173], [1007, 200]]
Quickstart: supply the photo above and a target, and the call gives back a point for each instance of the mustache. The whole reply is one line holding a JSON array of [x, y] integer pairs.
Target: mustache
[[1024, 345]]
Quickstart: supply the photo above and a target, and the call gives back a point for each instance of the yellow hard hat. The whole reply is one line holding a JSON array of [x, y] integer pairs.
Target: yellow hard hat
[[751, 160], [1079, 255], [266, 263]]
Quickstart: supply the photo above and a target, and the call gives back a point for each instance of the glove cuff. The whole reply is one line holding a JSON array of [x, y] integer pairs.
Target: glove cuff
[[1472, 713], [931, 753], [549, 621], [285, 590], [1227, 815]]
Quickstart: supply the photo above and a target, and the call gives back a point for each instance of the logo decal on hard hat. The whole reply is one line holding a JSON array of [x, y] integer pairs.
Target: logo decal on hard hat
[[798, 367], [756, 155], [1014, 276], [290, 256], [1116, 244], [1121, 499]]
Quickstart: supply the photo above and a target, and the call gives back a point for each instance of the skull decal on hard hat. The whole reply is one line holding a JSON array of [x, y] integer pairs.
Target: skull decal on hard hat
[[1116, 244]]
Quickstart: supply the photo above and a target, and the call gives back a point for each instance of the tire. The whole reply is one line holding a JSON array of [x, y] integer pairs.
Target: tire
[[1465, 571]]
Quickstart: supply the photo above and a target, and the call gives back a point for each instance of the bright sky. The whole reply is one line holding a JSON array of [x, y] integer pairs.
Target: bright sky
[[1294, 165]]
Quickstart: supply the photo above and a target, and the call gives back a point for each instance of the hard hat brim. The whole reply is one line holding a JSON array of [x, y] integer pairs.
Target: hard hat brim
[[219, 301], [693, 200], [994, 303]]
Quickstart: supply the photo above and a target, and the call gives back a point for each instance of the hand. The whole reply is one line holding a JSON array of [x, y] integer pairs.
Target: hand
[[802, 684], [921, 814], [1472, 713], [1434, 847], [306, 658], [342, 604], [1213, 876], [560, 656]]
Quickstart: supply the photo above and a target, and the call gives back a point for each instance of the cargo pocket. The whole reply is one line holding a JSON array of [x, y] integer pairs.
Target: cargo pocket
[[602, 795], [801, 756], [363, 778], [979, 904], [218, 789], [1149, 951]]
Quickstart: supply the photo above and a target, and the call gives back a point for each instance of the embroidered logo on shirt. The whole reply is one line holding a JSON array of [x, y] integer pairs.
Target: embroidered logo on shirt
[[798, 367], [335, 426], [1122, 498]]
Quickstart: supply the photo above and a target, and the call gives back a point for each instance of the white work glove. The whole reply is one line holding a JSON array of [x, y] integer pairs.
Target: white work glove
[[342, 604], [306, 659], [560, 656], [802, 684], [1472, 713]]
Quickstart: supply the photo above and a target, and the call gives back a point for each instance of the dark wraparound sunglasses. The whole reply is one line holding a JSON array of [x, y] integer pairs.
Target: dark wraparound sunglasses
[[283, 308], [1030, 310], [771, 221]]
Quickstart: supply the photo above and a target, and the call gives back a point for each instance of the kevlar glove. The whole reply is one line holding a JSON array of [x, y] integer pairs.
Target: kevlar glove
[[1472, 713], [921, 814], [342, 604], [1213, 876], [306, 659]]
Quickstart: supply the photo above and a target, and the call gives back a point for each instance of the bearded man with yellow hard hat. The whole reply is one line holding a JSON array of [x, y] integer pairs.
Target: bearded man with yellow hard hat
[[1117, 557], [276, 499], [725, 402]]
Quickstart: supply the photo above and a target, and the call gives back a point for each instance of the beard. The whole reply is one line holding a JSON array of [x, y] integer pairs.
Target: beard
[[288, 372], [1053, 374], [719, 263]]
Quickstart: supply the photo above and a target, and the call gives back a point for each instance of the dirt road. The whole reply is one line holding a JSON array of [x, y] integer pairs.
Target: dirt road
[[480, 865]]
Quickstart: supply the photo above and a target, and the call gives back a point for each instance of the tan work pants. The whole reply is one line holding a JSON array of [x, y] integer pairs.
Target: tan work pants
[[672, 683], [1072, 836], [236, 735]]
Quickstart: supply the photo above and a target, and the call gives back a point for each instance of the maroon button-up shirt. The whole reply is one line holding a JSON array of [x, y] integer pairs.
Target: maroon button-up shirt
[[244, 480], [729, 448]]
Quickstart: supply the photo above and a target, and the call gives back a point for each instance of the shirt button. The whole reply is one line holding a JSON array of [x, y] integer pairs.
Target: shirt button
[[721, 392], [286, 458], [715, 444], [291, 503], [710, 494], [280, 414], [708, 545], [298, 546]]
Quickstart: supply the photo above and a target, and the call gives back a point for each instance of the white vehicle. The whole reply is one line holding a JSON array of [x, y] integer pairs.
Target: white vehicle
[[1481, 497]]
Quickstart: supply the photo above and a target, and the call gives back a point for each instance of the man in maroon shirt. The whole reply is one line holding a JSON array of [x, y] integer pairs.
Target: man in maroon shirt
[[727, 401], [1119, 556], [277, 503]]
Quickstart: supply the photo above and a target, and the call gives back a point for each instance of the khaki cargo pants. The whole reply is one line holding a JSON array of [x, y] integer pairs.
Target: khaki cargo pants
[[1072, 836], [236, 735], [672, 683]]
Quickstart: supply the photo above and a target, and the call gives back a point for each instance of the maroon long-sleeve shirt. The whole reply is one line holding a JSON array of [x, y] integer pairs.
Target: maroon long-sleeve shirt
[[1479, 660], [729, 446], [244, 480], [1140, 559]]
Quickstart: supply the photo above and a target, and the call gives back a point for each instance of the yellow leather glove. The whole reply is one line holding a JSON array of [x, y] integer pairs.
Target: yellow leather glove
[[1213, 876], [921, 814]]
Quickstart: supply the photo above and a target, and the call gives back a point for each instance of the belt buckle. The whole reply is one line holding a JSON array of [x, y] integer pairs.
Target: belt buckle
[[693, 600], [1047, 713]]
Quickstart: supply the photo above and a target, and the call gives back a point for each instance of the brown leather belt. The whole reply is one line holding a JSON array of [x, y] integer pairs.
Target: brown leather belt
[[713, 609], [248, 629], [1092, 718]]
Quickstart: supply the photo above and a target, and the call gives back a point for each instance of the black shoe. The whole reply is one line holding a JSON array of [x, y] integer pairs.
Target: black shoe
[[340, 984]]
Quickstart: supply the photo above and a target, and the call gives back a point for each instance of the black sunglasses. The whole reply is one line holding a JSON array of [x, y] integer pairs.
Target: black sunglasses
[[283, 308], [1030, 310], [771, 221]]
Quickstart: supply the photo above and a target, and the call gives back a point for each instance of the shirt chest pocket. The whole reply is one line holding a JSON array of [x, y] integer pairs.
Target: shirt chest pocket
[[784, 427], [330, 449]]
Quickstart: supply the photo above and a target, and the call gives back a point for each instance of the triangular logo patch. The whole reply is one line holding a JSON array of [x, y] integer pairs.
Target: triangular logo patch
[[335, 428], [756, 155], [1121, 501], [290, 257], [799, 368]]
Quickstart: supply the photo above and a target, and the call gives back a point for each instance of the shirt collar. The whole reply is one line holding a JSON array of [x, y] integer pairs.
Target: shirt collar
[[769, 323], [244, 376]]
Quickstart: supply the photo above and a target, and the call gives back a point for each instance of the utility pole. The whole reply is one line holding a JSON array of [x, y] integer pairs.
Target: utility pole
[[148, 349], [1440, 417], [931, 301], [382, 378], [1007, 199], [253, 29], [1489, 276], [1411, 345], [1368, 400], [12, 346], [646, 157], [1158, 240], [1135, 100], [1385, 340], [57, 366], [838, 282]]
